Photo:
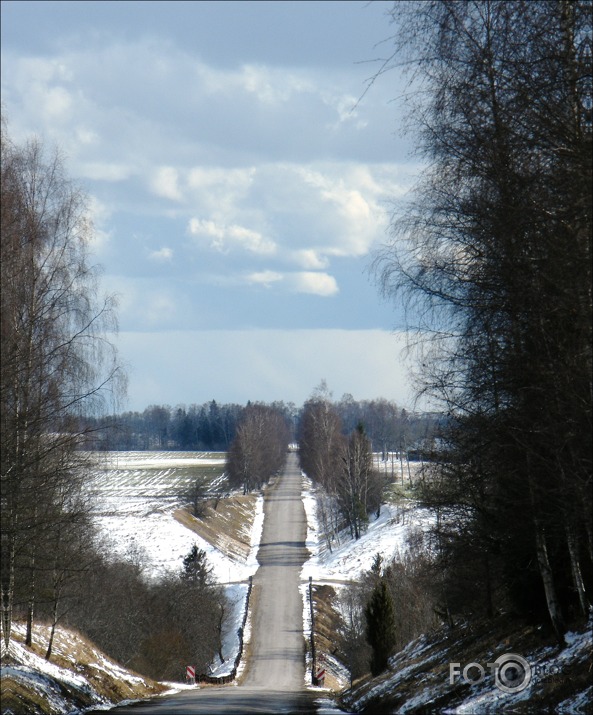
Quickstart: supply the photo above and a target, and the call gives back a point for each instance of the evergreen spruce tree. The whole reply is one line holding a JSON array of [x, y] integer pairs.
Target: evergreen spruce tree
[[195, 567], [380, 618]]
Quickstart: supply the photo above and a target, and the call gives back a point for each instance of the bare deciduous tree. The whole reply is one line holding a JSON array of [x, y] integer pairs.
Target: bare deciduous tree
[[57, 363], [259, 448], [342, 466]]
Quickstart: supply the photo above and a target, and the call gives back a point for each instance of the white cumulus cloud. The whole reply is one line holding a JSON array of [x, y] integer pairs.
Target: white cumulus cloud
[[310, 258], [265, 278], [316, 283], [274, 86], [165, 183], [227, 237]]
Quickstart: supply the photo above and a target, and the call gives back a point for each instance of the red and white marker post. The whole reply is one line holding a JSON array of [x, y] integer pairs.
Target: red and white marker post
[[320, 677]]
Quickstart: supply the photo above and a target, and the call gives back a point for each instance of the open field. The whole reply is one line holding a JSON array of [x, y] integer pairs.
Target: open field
[[137, 495], [155, 474]]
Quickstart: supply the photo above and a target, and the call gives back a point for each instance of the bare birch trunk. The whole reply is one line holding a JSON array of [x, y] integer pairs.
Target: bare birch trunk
[[8, 593], [53, 630], [549, 588], [577, 575]]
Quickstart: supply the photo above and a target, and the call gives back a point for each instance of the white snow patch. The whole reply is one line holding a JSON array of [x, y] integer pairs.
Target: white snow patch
[[236, 595]]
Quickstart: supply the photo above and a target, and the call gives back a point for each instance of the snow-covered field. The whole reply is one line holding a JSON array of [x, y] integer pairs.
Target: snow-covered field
[[134, 496]]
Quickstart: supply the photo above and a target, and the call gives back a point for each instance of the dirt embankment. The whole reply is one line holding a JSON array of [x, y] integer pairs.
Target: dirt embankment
[[224, 523]]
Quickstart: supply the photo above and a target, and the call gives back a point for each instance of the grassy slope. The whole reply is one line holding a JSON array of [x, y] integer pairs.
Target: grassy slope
[[226, 524], [77, 676]]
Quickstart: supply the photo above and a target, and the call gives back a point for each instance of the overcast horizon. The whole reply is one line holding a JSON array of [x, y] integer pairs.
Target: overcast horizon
[[241, 179]]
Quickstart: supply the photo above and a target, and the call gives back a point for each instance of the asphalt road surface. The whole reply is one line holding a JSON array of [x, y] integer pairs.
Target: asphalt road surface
[[274, 679]]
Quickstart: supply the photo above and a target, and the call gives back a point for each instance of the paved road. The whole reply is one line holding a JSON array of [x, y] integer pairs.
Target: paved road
[[275, 675]]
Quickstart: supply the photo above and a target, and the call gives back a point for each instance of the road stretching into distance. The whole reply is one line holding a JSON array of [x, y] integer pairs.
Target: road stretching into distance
[[274, 678]]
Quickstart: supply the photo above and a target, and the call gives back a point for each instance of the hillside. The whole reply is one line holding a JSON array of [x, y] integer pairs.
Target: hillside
[[136, 498], [225, 524], [78, 675], [418, 679]]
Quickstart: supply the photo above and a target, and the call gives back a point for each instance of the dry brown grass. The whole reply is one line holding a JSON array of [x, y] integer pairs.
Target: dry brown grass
[[75, 653], [226, 524], [17, 698], [327, 624]]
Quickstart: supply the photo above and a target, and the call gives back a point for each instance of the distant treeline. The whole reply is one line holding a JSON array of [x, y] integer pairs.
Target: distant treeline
[[212, 426]]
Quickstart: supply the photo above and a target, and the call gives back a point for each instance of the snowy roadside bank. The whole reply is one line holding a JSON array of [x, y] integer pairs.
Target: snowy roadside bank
[[80, 676], [348, 558], [418, 678]]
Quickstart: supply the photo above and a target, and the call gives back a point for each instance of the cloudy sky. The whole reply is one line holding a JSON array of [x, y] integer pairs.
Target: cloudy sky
[[240, 180]]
